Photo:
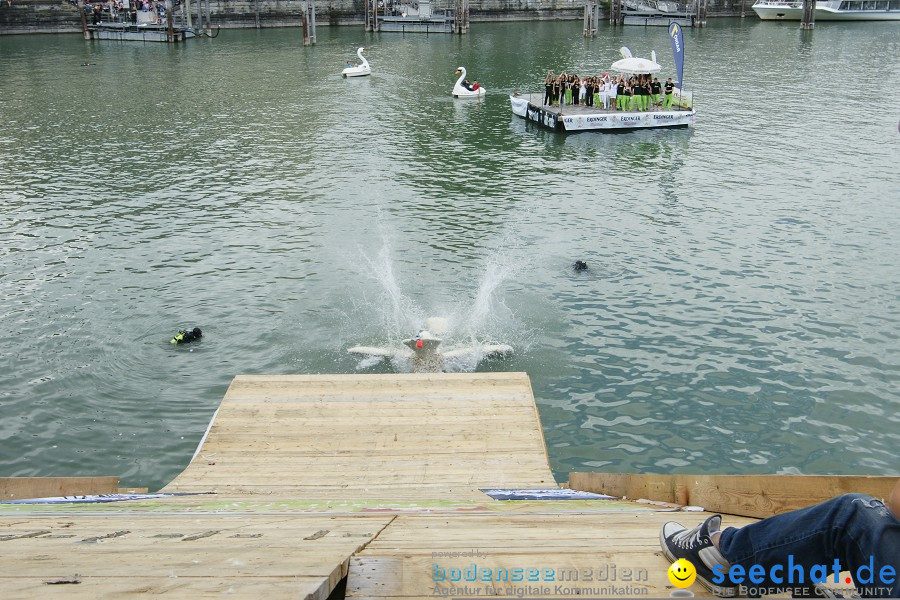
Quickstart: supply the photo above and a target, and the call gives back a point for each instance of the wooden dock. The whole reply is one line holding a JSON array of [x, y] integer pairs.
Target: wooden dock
[[371, 482]]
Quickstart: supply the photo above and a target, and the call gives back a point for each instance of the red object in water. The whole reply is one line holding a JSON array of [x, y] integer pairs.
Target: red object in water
[[419, 344]]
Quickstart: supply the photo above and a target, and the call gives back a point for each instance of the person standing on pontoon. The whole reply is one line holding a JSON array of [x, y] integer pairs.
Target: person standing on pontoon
[[655, 88], [610, 86], [548, 89], [669, 87]]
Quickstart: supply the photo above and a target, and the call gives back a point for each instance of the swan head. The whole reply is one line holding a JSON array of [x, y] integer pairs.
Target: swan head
[[458, 72]]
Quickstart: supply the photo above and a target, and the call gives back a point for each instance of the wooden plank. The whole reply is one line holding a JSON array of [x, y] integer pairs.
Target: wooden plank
[[414, 575], [306, 554], [757, 496], [15, 488], [91, 588], [401, 561]]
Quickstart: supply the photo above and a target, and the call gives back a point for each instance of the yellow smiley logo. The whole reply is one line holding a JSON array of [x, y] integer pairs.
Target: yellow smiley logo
[[682, 573]]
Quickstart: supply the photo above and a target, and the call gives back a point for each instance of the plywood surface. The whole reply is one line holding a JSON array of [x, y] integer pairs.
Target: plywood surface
[[399, 437], [413, 557], [304, 556]]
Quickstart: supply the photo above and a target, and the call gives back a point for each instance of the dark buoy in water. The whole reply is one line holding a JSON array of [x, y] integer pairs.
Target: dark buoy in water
[[185, 336], [580, 265]]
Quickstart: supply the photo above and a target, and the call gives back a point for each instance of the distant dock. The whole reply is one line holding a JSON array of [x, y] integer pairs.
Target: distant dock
[[138, 33], [366, 486]]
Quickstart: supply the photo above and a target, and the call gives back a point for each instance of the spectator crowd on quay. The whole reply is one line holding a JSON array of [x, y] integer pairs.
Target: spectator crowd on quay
[[120, 11], [634, 93]]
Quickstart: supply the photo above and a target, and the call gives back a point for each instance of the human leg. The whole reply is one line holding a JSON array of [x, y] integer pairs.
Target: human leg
[[855, 530]]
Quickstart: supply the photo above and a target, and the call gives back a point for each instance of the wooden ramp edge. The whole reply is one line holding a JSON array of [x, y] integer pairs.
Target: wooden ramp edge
[[398, 437], [757, 496]]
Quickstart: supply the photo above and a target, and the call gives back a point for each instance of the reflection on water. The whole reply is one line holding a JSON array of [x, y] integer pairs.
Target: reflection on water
[[737, 316]]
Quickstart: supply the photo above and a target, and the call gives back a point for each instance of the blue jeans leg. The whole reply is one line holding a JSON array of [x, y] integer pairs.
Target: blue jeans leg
[[855, 529]]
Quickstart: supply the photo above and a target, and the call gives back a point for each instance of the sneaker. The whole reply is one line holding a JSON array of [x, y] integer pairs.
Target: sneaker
[[695, 545]]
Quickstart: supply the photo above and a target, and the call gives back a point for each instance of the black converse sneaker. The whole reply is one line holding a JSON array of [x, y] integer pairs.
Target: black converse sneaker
[[695, 545]]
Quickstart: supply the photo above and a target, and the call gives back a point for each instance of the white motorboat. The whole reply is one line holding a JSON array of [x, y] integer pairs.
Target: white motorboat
[[359, 70], [830, 10], [461, 91]]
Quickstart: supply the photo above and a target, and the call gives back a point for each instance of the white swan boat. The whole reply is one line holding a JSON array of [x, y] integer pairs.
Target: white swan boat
[[359, 70], [461, 91], [830, 10]]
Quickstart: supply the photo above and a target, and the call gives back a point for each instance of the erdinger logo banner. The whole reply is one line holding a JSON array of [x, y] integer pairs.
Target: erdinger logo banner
[[628, 120]]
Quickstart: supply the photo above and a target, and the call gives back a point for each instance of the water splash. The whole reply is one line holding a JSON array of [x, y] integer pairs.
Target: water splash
[[473, 321], [400, 313]]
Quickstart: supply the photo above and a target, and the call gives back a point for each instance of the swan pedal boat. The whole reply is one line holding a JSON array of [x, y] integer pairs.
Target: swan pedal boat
[[460, 91], [359, 70]]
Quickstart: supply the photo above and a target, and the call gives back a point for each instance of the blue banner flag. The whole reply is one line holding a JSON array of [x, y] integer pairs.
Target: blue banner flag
[[678, 51]]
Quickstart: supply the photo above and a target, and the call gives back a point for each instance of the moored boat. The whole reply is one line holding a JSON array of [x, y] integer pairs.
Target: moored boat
[[830, 10]]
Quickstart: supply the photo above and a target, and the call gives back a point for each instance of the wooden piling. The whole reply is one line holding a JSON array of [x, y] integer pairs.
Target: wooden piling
[[591, 18], [615, 12], [84, 28], [808, 20], [170, 29], [308, 22]]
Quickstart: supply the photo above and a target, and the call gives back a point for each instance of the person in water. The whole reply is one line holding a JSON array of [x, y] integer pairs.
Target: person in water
[[185, 336]]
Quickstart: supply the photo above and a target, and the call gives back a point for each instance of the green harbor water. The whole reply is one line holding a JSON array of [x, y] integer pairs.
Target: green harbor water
[[740, 314]]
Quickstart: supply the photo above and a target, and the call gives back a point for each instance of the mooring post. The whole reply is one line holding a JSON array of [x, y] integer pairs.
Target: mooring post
[[615, 12], [308, 21], [591, 17], [304, 24], [809, 14], [170, 30], [84, 27]]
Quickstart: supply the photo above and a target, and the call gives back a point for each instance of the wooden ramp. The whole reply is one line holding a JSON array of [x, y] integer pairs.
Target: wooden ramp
[[375, 478], [398, 437]]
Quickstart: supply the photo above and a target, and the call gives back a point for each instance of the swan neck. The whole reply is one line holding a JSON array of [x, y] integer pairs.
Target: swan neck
[[461, 76]]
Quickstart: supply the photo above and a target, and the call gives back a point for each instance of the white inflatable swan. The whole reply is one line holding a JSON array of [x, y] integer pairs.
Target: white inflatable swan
[[460, 91], [360, 69]]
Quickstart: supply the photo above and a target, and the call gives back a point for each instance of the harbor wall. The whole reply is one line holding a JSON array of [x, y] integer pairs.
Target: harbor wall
[[52, 16]]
